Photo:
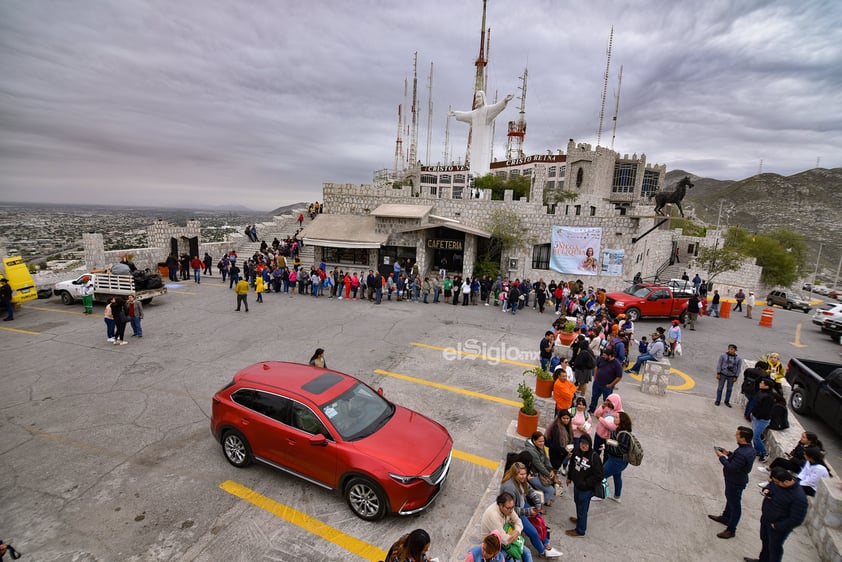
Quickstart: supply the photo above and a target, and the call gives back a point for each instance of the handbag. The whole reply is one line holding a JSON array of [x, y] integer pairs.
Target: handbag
[[515, 548], [601, 491], [546, 480]]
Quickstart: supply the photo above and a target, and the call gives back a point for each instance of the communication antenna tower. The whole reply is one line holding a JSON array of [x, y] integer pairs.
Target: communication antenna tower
[[413, 142], [617, 106], [399, 144], [605, 86], [429, 113], [760, 167], [446, 156], [517, 129], [818, 161]]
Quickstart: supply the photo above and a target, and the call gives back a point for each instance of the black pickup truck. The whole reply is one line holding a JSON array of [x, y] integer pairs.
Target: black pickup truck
[[816, 389]]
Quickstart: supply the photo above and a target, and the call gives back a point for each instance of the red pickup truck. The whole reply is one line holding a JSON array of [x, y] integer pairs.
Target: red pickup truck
[[650, 301]]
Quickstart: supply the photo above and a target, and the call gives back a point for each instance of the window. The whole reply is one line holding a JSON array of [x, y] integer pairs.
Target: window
[[527, 172], [304, 419], [561, 170], [578, 210], [428, 178], [433, 190], [502, 174], [270, 405], [352, 256], [456, 193], [650, 183], [625, 174], [541, 256], [459, 178], [593, 211], [551, 184], [514, 172], [444, 178], [551, 172]]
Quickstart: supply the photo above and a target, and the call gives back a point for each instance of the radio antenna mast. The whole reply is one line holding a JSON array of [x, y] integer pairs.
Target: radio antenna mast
[[429, 113], [617, 106], [605, 87]]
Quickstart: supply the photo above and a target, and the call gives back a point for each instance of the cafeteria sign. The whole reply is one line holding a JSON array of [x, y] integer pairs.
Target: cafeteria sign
[[441, 244]]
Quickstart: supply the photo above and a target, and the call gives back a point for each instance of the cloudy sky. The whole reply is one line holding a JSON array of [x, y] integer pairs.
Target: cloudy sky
[[257, 103]]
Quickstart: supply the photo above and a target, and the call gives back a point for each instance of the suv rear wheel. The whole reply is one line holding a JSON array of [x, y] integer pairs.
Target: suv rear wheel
[[236, 448]]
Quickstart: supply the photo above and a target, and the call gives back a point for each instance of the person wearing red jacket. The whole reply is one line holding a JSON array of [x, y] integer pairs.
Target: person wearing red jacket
[[196, 265]]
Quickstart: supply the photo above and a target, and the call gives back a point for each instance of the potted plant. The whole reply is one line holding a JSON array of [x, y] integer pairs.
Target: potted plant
[[527, 416], [543, 381], [567, 336]]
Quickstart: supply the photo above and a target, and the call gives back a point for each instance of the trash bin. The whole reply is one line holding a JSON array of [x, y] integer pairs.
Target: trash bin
[[163, 270]]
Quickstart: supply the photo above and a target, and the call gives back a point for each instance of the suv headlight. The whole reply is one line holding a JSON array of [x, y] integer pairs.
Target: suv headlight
[[403, 479]]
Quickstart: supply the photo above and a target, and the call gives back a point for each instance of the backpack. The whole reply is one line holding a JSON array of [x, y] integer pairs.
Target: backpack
[[635, 454]]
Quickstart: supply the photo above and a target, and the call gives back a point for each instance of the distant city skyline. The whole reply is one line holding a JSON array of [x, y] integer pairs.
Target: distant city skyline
[[257, 105]]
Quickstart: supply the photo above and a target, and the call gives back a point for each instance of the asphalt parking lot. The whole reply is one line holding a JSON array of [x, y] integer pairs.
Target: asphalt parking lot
[[108, 455]]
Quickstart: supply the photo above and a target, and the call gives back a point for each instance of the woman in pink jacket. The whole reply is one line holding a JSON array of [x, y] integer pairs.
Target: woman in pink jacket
[[606, 419]]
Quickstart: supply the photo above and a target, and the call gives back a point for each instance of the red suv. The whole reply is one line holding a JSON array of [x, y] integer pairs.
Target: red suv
[[331, 429]]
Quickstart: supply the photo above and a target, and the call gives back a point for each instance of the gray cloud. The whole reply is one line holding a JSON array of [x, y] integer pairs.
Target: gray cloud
[[259, 103]]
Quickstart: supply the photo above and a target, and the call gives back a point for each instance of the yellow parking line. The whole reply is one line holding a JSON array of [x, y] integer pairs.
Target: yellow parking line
[[19, 331], [449, 388], [79, 312], [469, 354], [481, 461], [310, 524], [687, 385]]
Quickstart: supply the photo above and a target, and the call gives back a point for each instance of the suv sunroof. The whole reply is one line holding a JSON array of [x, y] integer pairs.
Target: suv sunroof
[[322, 383]]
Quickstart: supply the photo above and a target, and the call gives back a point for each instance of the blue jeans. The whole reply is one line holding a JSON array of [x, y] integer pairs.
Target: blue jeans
[[197, 275], [750, 400], [514, 307], [640, 360], [548, 491], [436, 293], [109, 327], [723, 380], [714, 310], [598, 389], [530, 531], [136, 328], [614, 466], [757, 426], [233, 280], [733, 507], [583, 503], [545, 363]]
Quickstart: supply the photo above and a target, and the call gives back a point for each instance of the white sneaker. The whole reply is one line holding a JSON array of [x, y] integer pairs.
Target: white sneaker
[[110, 340], [595, 499], [553, 553], [763, 469]]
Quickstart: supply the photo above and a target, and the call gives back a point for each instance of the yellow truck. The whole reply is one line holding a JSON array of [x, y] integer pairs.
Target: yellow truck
[[23, 287]]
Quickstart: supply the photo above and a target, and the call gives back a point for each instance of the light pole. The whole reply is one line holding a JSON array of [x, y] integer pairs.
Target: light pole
[[816, 275]]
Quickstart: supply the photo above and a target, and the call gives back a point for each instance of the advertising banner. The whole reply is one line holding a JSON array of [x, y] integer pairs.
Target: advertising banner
[[612, 262], [575, 250]]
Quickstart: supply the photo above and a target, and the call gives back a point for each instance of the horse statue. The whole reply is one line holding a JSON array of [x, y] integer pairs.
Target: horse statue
[[662, 198]]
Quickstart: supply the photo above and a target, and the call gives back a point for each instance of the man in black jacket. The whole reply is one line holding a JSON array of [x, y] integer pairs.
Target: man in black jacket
[[736, 466], [761, 415], [784, 508], [751, 378]]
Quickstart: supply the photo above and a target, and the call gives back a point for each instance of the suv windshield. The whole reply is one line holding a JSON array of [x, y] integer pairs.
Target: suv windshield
[[358, 412], [638, 291]]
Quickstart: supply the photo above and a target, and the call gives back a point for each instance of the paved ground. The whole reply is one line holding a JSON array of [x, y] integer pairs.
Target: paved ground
[[107, 453]]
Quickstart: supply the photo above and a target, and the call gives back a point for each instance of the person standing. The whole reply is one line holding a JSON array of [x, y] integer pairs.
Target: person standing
[[694, 306], [761, 415], [616, 453], [736, 466], [242, 290], [208, 261], [609, 371], [118, 310], [728, 368], [751, 378], [585, 473], [196, 265], [88, 294], [784, 508], [318, 359], [739, 297], [135, 312], [749, 304], [697, 282], [108, 317], [545, 349], [6, 300], [260, 286], [714, 304]]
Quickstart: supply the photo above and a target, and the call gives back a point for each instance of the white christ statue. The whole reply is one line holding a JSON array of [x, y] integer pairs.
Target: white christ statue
[[481, 120]]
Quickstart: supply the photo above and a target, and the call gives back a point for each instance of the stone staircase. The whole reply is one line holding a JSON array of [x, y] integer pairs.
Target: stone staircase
[[281, 227]]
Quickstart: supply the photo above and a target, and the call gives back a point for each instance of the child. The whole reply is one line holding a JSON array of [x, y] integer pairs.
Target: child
[[642, 346]]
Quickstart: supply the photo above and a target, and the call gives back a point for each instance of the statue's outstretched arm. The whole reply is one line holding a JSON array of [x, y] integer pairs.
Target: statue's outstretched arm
[[464, 116]]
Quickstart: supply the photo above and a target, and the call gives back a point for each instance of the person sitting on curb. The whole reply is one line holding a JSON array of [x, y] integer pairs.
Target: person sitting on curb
[[654, 352]]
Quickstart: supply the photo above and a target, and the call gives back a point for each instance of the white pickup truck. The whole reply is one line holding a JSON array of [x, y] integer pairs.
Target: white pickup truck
[[106, 286]]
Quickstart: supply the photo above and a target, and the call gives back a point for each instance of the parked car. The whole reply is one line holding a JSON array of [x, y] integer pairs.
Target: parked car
[[816, 389], [827, 311], [647, 300], [833, 327], [807, 287], [335, 431], [788, 300], [834, 294], [820, 290]]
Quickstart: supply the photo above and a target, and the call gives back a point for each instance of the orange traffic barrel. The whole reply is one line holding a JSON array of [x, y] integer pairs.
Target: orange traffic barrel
[[766, 317], [725, 309]]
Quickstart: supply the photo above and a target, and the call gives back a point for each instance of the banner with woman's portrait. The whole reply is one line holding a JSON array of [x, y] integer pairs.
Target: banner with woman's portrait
[[575, 249]]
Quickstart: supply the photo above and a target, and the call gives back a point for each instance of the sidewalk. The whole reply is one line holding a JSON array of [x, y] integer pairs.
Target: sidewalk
[[666, 500]]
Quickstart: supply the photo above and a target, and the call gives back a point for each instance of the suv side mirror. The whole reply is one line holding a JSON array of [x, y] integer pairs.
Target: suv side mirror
[[318, 440]]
